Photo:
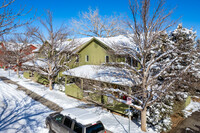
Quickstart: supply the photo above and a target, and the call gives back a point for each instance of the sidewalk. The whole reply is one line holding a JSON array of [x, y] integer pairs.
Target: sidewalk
[[51, 105]]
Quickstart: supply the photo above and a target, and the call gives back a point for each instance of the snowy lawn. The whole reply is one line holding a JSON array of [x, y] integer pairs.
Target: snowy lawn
[[20, 113], [114, 123]]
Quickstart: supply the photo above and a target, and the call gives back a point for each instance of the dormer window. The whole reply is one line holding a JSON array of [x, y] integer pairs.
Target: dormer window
[[86, 58]]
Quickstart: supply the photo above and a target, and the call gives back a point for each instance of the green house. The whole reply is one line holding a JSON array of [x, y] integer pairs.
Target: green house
[[89, 55], [96, 51]]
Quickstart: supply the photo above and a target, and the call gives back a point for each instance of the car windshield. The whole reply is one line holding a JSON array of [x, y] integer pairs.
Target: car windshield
[[95, 128]]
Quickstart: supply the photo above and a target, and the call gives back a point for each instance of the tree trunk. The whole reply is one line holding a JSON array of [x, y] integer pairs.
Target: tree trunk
[[50, 84], [18, 72], [18, 68], [144, 119]]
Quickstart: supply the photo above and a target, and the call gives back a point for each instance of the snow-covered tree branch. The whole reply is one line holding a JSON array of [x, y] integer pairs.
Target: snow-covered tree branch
[[150, 46]]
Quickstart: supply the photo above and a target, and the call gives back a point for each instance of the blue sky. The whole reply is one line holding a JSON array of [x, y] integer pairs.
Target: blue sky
[[64, 10]]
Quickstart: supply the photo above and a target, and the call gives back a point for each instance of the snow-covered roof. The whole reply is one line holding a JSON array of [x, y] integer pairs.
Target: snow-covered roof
[[73, 44], [118, 41], [111, 42], [81, 115], [37, 47], [107, 74], [38, 63], [18, 46]]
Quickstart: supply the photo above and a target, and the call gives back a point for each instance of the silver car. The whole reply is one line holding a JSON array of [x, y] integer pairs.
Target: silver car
[[74, 120]]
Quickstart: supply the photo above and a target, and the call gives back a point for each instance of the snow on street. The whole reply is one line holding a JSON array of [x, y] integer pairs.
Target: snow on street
[[114, 123], [20, 113]]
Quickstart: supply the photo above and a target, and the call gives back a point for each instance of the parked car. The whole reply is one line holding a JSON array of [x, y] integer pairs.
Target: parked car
[[74, 120]]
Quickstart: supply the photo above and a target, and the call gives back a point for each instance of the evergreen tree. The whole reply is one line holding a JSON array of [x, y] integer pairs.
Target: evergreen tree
[[183, 40]]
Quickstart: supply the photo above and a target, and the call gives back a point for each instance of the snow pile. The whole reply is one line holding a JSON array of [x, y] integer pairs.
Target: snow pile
[[59, 87], [192, 107]]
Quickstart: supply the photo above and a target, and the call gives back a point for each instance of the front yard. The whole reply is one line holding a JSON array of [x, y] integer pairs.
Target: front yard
[[112, 122]]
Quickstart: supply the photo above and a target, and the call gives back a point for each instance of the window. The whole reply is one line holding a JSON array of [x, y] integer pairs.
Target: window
[[77, 128], [95, 128], [68, 122], [58, 118], [77, 59], [131, 61], [107, 59], [67, 57], [86, 58]]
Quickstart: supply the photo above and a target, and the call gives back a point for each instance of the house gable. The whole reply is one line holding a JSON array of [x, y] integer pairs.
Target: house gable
[[93, 52]]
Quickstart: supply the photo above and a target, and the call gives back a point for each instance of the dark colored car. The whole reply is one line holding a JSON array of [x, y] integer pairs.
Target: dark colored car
[[62, 122]]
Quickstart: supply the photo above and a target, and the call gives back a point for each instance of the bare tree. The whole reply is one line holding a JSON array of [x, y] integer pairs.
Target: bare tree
[[155, 53], [56, 48], [150, 47], [9, 19], [92, 24], [17, 50]]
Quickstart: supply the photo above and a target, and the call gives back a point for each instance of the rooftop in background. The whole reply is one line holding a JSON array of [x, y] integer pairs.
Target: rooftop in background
[[19, 46]]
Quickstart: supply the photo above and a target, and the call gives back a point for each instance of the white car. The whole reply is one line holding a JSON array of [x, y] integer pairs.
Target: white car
[[74, 120]]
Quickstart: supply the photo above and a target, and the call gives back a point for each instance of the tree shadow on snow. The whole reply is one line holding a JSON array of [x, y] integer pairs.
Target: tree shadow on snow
[[24, 115], [121, 124]]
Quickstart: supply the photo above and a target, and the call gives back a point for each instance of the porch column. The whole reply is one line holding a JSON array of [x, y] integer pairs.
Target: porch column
[[66, 85], [82, 88], [129, 90]]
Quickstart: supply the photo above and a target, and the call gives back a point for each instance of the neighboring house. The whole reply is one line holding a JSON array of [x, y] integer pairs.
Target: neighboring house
[[10, 50]]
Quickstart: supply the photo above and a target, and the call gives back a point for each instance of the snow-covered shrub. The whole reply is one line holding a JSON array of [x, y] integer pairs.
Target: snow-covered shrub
[[158, 114], [59, 87]]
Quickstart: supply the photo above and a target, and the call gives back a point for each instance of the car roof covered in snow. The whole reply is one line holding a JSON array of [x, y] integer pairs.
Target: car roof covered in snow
[[82, 116]]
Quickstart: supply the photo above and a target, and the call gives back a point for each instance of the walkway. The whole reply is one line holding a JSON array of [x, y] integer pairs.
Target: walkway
[[51, 105]]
